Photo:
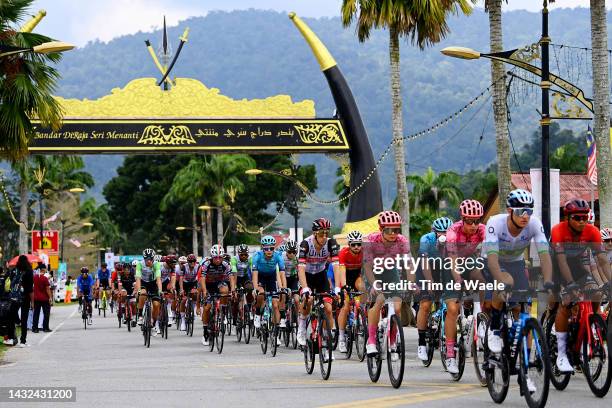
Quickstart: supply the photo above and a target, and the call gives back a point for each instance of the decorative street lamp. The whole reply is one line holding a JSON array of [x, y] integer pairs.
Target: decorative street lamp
[[44, 48]]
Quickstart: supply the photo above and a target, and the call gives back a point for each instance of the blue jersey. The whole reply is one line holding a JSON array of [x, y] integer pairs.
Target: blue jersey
[[330, 275], [85, 285], [429, 245], [103, 275], [267, 267]]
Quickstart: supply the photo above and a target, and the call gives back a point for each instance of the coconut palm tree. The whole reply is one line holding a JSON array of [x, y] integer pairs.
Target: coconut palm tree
[[430, 190], [26, 83], [601, 96], [425, 23], [500, 114]]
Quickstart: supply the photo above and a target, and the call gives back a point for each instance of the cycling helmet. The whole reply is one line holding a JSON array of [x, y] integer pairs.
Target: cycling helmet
[[191, 258], [84, 269], [159, 258], [243, 249], [170, 259], [182, 259], [471, 209], [282, 248], [134, 263], [576, 206], [118, 267], [519, 198], [217, 250], [268, 240], [321, 224], [291, 245], [606, 233], [148, 253], [591, 219], [441, 224], [389, 219], [354, 237]]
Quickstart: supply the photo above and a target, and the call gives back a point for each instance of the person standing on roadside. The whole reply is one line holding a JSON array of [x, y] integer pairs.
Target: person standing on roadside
[[22, 282], [69, 289], [42, 300]]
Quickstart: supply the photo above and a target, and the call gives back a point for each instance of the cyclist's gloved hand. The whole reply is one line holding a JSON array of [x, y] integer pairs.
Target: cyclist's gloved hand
[[337, 290]]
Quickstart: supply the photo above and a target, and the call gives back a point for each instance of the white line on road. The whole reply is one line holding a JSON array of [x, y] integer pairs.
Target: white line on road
[[57, 328]]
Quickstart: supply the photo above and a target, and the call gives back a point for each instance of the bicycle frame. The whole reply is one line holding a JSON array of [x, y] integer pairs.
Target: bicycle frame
[[584, 312]]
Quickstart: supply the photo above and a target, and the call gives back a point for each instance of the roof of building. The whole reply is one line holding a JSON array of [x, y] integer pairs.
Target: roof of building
[[571, 185]]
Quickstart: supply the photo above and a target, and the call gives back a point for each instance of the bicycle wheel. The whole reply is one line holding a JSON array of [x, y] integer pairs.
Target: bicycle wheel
[[596, 359], [430, 340], [286, 331], [239, 323], [220, 332], [534, 359], [294, 328], [497, 373], [263, 337], [119, 315], [128, 317], [148, 326], [348, 338], [308, 349], [375, 363], [247, 325], [482, 320], [274, 340], [558, 379], [396, 352], [460, 355], [325, 340], [335, 332], [112, 306], [361, 334]]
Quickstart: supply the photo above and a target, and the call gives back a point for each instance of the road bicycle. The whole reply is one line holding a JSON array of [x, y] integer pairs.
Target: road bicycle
[[85, 311], [524, 353], [318, 337], [147, 320], [216, 326], [269, 331], [289, 332], [390, 346], [189, 315], [587, 345], [102, 304]]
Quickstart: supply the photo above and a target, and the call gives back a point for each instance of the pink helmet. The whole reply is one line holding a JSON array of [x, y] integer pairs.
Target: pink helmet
[[389, 219], [471, 209]]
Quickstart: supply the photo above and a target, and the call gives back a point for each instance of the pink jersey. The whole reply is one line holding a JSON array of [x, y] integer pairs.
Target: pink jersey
[[374, 246], [460, 244]]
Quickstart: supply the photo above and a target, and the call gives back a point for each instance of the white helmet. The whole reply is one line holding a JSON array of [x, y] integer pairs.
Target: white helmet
[[157, 258], [354, 236], [217, 250], [606, 233], [182, 259], [134, 263]]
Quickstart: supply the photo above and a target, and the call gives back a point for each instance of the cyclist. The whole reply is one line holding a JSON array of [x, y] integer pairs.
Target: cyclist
[[291, 278], [350, 260], [387, 243], [148, 282], [606, 237], [571, 240], [169, 271], [316, 252], [241, 267], [507, 237], [103, 280], [215, 275], [188, 284], [114, 282], [126, 281], [429, 248], [267, 269], [85, 283]]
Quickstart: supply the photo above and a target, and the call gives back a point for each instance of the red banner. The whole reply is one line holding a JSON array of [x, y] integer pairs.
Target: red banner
[[50, 241]]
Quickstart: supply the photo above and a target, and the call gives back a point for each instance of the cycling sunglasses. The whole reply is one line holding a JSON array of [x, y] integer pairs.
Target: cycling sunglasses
[[355, 245], [292, 252], [267, 249], [392, 230], [580, 217], [471, 221], [520, 212]]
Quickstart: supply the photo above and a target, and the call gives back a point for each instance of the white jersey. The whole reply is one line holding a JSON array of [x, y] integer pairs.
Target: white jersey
[[498, 239]]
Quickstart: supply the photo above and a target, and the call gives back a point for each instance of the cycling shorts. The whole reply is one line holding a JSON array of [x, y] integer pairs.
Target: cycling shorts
[[318, 282], [268, 283], [351, 277], [212, 288], [104, 284], [293, 282], [243, 282]]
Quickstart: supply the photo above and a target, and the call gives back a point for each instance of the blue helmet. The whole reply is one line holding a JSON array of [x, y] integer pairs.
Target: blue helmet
[[441, 224], [519, 198], [268, 240]]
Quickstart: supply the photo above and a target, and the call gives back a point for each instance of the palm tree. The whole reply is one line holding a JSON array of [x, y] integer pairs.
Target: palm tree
[[601, 96], [425, 23], [567, 159], [107, 231], [430, 190], [500, 114], [26, 83]]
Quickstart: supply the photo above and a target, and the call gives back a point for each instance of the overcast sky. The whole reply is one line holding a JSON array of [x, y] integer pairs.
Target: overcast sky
[[79, 21]]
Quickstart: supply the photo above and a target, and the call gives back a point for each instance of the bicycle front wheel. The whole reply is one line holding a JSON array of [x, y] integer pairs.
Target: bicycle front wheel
[[263, 337], [396, 352], [361, 334], [220, 330], [482, 320], [534, 366], [558, 379], [274, 340], [497, 373], [596, 359], [309, 352], [326, 344]]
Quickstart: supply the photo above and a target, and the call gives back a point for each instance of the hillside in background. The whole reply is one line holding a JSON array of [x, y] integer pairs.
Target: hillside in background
[[255, 54]]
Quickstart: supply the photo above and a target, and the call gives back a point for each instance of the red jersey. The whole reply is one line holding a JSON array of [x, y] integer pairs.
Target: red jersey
[[350, 260], [114, 276], [564, 240]]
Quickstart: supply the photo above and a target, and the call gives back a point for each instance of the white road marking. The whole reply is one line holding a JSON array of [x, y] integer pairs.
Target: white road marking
[[57, 328]]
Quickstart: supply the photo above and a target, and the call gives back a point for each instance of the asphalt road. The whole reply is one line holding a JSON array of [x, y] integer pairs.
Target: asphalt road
[[110, 367]]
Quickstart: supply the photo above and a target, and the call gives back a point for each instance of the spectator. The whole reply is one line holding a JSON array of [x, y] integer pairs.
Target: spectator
[[22, 282], [7, 321], [69, 289], [42, 300]]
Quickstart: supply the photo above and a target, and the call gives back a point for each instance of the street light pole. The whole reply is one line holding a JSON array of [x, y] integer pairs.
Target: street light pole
[[545, 84]]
